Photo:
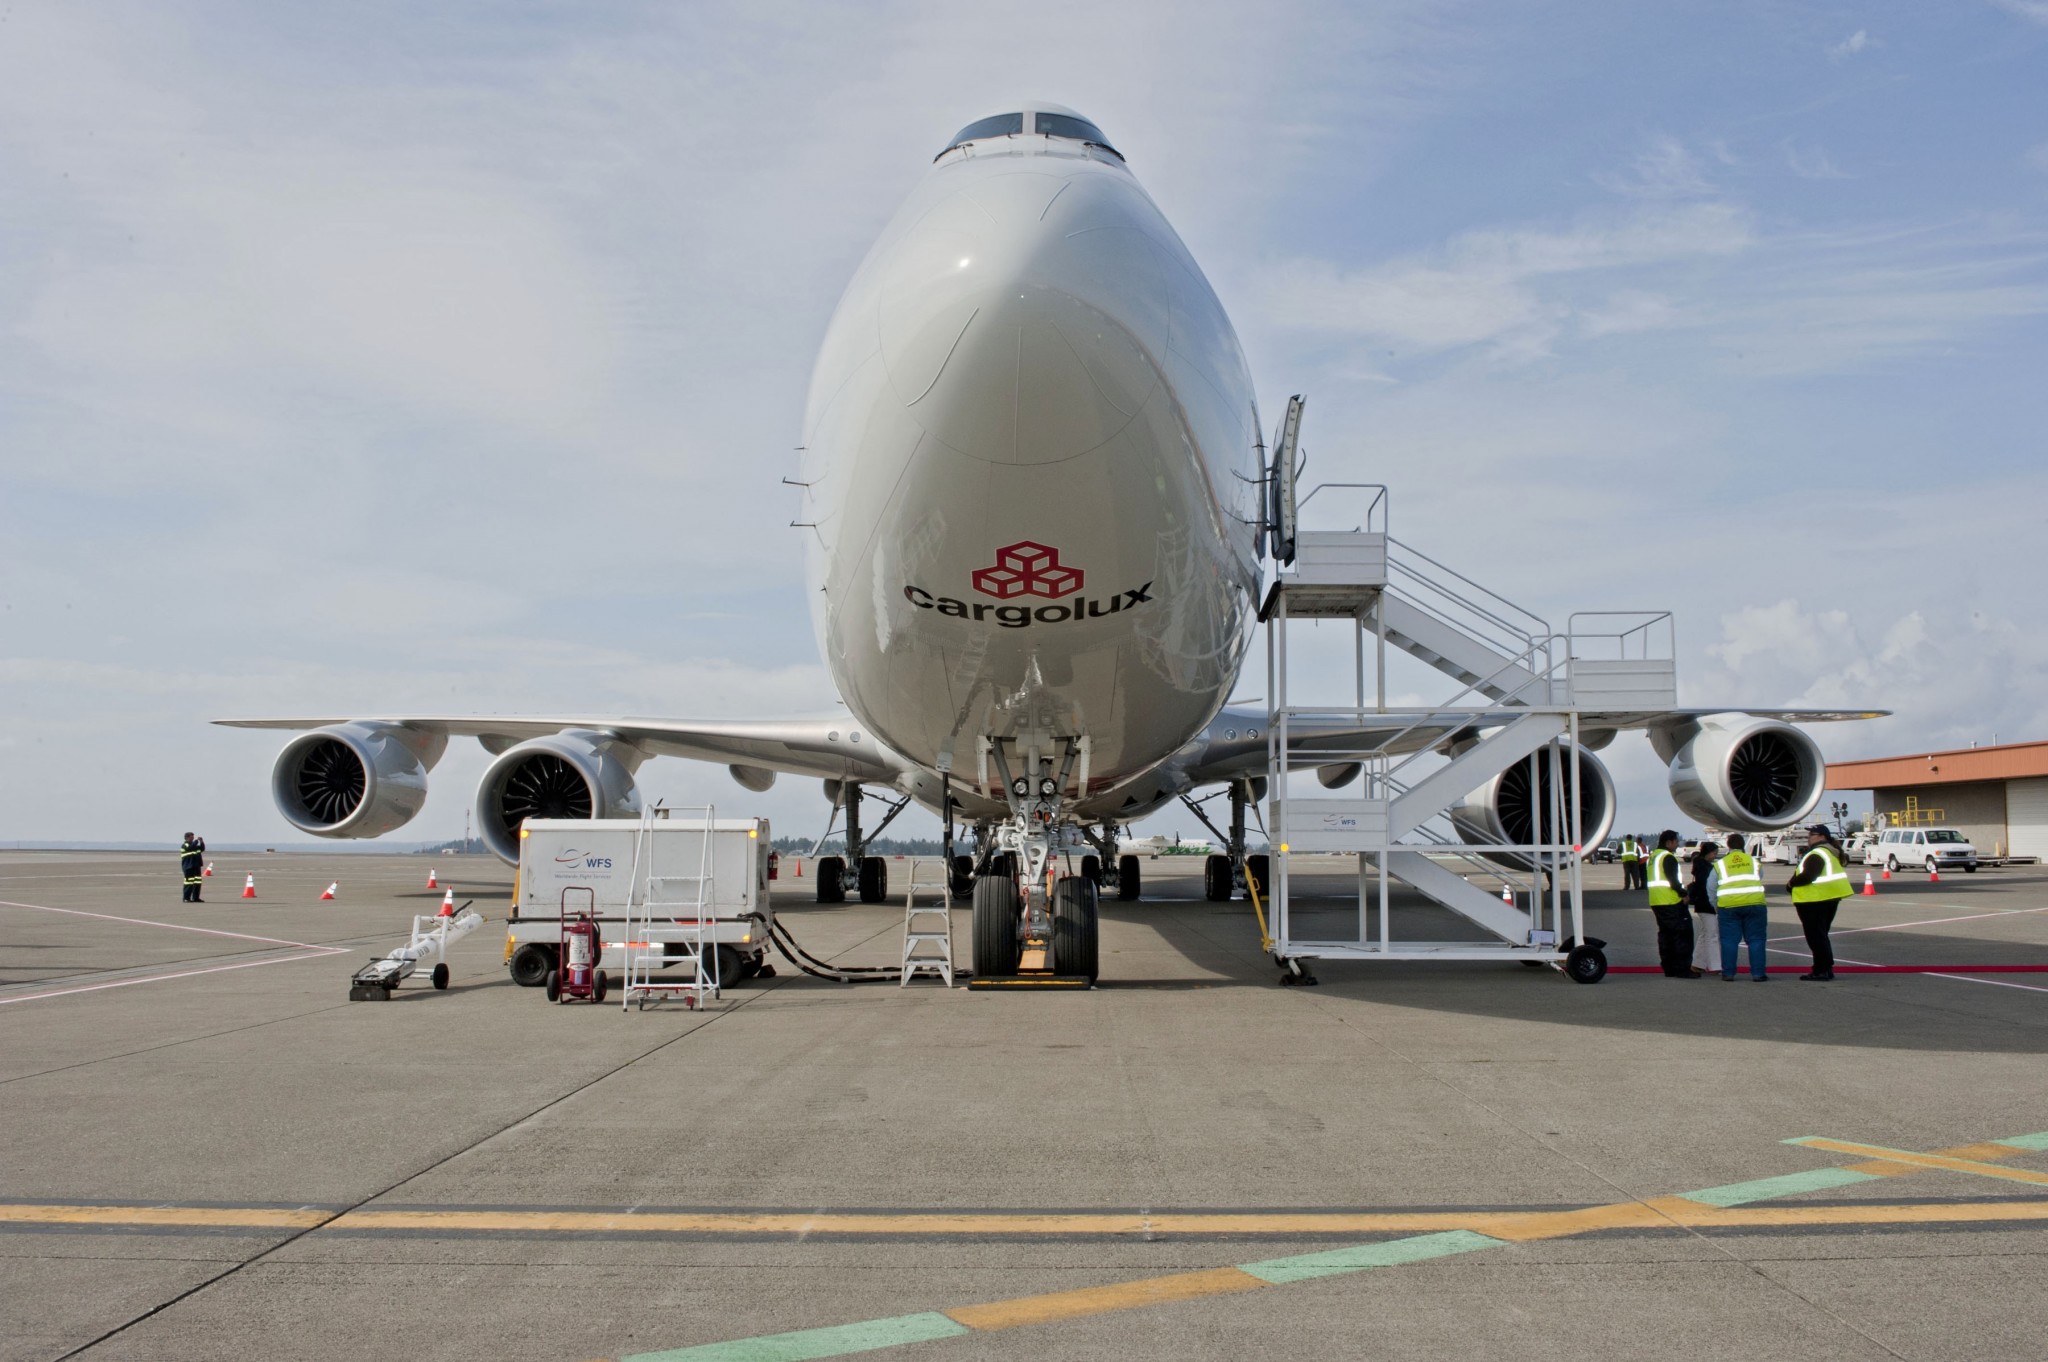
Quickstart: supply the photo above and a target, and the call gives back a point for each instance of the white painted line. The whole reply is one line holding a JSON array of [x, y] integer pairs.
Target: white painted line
[[1929, 974], [174, 926], [1973, 979], [314, 953], [1924, 922]]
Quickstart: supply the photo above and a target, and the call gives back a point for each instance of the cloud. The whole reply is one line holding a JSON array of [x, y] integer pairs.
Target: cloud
[[1493, 285], [2036, 10], [1858, 41], [1811, 163], [1797, 656], [1663, 169]]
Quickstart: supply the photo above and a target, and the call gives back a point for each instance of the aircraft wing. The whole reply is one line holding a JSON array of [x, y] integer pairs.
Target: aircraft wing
[[1236, 744], [836, 748]]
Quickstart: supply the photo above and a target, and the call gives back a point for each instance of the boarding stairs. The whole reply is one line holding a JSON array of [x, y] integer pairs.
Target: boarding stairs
[[927, 926], [1525, 690], [671, 914]]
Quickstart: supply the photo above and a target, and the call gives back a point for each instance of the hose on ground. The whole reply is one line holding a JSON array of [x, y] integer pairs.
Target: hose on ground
[[824, 969]]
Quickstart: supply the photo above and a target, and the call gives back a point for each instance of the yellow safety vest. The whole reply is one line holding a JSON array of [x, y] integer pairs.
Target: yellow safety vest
[[1831, 883], [1740, 886], [1662, 877], [1631, 850]]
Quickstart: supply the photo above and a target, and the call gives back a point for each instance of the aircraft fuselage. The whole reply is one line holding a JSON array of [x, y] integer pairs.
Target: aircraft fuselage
[[1032, 460]]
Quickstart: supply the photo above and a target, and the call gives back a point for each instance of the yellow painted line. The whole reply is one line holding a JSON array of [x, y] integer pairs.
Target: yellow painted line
[[1919, 1213], [745, 1222], [198, 1217], [1100, 1300], [1520, 1227], [1947, 1162]]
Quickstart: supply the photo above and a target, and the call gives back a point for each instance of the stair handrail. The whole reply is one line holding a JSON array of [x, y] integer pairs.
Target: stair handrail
[[1419, 581], [1447, 708], [1650, 620]]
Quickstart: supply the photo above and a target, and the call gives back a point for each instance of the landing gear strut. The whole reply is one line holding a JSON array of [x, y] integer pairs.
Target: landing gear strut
[[1232, 869], [1034, 928], [856, 872]]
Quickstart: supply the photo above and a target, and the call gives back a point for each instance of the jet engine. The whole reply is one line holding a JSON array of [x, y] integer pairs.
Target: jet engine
[[1505, 809], [1743, 774], [354, 779], [572, 774]]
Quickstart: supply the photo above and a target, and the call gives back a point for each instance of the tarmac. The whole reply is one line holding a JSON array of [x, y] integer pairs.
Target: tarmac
[[209, 1152]]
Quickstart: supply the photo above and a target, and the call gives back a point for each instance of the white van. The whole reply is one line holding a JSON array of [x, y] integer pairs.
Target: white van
[[1921, 849]]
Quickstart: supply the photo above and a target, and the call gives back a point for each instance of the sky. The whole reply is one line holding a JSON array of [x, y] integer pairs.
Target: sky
[[383, 357]]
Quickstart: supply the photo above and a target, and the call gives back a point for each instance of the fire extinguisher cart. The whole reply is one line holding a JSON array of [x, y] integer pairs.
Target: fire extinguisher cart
[[577, 975]]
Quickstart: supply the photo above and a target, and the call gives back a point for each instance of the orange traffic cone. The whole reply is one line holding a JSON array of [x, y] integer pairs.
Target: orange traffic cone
[[1869, 887], [1933, 875], [249, 889], [447, 905], [432, 883], [208, 872], [799, 867], [1507, 896], [328, 892], [1887, 872]]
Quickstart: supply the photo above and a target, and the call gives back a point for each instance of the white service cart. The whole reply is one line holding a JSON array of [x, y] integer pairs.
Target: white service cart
[[615, 868]]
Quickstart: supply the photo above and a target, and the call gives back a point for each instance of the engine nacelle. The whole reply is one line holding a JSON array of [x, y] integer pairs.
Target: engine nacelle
[[1505, 809], [577, 773], [354, 779], [755, 778], [1744, 774]]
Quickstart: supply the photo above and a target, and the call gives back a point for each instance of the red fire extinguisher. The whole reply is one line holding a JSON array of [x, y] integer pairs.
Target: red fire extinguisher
[[577, 974], [774, 863]]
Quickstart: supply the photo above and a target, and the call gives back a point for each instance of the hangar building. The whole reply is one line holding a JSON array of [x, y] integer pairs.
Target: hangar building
[[1997, 796]]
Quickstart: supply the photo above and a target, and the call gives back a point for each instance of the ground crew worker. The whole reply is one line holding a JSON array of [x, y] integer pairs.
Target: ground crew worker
[[1631, 862], [1737, 887], [1667, 903], [1699, 896], [192, 863], [1818, 888]]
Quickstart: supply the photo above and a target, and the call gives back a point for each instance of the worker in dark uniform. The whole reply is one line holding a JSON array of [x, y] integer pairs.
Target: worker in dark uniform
[[1667, 905], [1818, 888], [192, 863]]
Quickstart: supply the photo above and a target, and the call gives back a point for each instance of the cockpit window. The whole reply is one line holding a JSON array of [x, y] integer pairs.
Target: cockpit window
[[1002, 125], [1066, 125]]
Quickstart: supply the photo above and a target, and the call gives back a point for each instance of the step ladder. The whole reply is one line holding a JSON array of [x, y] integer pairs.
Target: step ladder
[[671, 916], [927, 927], [1522, 687]]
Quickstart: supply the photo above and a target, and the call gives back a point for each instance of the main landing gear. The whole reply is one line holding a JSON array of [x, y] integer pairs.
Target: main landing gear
[[1231, 870], [856, 872]]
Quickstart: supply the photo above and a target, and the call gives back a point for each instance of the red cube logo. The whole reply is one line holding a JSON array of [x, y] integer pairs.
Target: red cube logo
[[1026, 568]]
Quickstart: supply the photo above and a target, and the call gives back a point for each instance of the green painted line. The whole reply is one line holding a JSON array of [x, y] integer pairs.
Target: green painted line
[[1360, 1257], [2026, 1141], [1789, 1184], [834, 1341]]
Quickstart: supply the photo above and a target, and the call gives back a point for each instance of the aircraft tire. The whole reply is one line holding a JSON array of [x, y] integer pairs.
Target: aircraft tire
[[1128, 878], [996, 905], [1091, 870], [874, 879], [831, 879], [1260, 869], [1216, 879], [1076, 926]]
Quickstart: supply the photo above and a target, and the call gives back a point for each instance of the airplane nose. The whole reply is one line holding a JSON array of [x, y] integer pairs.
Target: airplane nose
[[1025, 319]]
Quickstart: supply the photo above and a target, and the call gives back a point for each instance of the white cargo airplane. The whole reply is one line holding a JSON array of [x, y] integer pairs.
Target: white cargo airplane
[[1036, 496]]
